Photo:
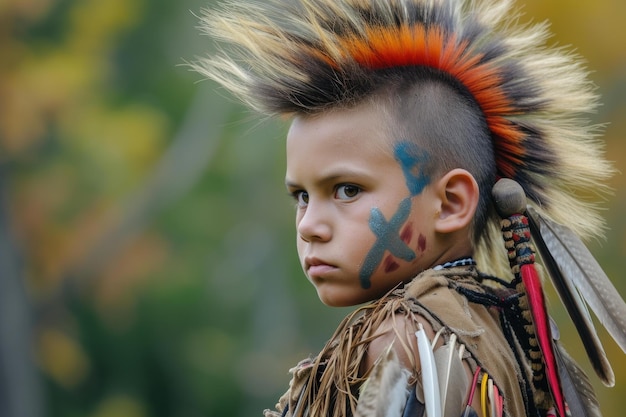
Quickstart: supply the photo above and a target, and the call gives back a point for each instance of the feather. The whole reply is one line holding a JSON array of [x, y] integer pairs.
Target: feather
[[483, 395], [430, 380], [385, 392], [577, 389], [574, 273], [469, 411], [492, 398], [541, 321], [453, 381]]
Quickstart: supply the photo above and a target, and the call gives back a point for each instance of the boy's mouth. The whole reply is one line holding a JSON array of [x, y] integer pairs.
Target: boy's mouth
[[315, 266]]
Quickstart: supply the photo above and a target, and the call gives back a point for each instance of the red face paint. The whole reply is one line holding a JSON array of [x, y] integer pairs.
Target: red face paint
[[421, 243], [407, 233], [390, 264]]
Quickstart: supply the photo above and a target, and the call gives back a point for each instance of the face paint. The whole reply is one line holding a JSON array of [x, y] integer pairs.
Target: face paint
[[390, 264], [407, 233], [412, 159], [421, 243], [388, 239]]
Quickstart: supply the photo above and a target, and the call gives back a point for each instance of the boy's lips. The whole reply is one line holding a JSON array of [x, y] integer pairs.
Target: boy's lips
[[316, 266]]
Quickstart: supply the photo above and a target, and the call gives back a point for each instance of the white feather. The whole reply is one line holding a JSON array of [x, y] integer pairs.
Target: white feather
[[430, 380]]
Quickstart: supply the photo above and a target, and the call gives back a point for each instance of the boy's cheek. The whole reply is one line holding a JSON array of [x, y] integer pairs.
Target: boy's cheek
[[421, 243], [390, 264], [407, 235]]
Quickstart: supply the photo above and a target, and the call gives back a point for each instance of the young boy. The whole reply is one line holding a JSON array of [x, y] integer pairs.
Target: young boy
[[405, 114]]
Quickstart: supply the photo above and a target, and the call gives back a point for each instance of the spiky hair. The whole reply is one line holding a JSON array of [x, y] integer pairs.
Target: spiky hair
[[298, 57]]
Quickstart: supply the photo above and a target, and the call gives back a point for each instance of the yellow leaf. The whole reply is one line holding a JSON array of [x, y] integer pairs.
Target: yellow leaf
[[62, 358]]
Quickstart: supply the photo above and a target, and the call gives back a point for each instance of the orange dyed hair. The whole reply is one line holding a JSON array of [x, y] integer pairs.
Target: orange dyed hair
[[299, 57], [383, 48]]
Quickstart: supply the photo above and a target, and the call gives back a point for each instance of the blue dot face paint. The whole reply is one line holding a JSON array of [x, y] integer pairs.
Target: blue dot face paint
[[387, 239], [412, 159]]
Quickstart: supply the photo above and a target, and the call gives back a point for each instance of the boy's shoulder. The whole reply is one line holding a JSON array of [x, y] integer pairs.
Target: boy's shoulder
[[433, 300]]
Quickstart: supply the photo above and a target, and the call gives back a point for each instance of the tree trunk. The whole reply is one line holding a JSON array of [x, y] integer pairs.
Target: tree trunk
[[20, 389]]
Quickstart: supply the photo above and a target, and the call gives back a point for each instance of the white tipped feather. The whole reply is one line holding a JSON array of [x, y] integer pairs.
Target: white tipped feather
[[430, 380]]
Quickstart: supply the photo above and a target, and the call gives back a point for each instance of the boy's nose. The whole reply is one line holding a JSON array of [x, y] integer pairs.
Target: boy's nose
[[314, 225]]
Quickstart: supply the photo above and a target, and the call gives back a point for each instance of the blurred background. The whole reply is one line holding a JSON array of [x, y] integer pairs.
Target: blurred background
[[147, 265]]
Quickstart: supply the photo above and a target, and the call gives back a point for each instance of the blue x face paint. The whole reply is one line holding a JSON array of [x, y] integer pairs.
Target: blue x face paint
[[387, 239], [412, 159]]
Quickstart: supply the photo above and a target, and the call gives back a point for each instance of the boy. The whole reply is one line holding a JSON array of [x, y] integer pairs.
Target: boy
[[405, 113]]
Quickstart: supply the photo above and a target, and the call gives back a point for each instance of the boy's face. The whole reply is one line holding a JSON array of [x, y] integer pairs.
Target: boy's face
[[365, 209]]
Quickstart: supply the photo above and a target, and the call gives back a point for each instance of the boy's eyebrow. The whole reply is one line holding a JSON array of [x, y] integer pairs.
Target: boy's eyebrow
[[290, 184], [331, 177]]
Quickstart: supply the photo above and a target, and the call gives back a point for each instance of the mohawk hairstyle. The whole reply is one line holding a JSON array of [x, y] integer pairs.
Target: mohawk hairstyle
[[300, 57]]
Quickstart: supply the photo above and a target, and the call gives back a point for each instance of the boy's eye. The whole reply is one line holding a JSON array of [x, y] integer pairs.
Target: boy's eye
[[347, 192], [302, 198]]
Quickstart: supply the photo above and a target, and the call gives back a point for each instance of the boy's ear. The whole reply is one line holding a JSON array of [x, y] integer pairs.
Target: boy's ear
[[458, 198]]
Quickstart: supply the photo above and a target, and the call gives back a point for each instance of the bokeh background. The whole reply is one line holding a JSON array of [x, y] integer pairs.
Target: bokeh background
[[147, 266]]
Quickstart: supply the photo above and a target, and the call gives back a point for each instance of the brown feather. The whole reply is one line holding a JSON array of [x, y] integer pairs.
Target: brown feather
[[453, 381], [385, 392]]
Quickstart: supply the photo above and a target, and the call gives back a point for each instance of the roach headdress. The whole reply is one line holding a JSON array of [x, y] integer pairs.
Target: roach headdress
[[306, 56]]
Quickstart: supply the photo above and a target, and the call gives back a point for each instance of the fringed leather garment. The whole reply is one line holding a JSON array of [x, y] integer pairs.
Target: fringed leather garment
[[455, 300]]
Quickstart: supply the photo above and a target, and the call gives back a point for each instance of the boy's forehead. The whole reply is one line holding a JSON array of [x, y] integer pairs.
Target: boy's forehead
[[343, 128], [362, 125], [352, 143]]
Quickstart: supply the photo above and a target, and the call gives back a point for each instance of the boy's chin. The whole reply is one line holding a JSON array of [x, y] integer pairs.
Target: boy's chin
[[342, 298]]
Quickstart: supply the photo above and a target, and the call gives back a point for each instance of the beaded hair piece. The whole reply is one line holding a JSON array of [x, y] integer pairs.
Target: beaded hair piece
[[308, 56]]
